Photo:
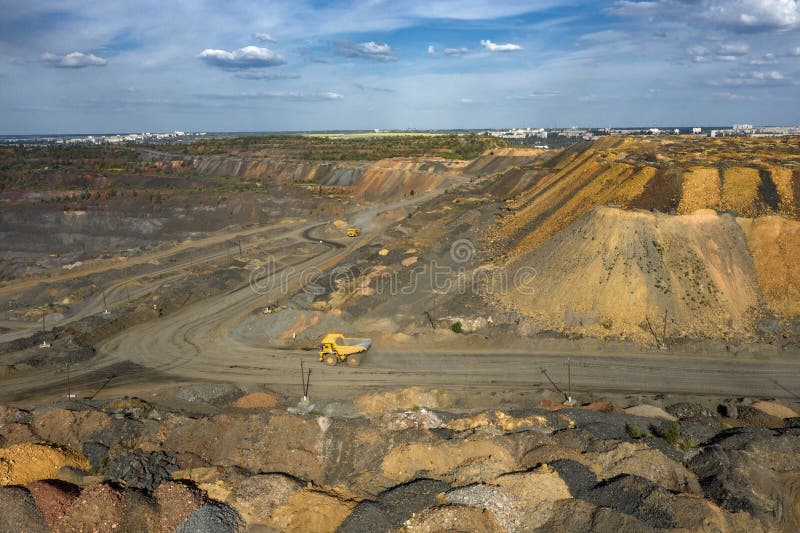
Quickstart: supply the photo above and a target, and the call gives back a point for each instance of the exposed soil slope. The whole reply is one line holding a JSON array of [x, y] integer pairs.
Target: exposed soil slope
[[612, 269]]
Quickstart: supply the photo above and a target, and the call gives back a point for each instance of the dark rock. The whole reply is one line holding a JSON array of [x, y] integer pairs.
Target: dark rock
[[140, 469], [580, 479], [683, 410], [638, 497], [757, 418], [793, 422], [393, 507], [96, 453], [570, 516], [728, 410], [213, 517], [753, 470]]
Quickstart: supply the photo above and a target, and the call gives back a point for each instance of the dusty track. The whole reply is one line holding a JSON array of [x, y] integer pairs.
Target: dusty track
[[195, 344]]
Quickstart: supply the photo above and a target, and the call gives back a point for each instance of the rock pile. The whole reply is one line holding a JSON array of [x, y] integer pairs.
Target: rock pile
[[409, 469]]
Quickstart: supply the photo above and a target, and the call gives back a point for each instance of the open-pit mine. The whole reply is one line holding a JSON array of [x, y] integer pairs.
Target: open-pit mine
[[603, 337]]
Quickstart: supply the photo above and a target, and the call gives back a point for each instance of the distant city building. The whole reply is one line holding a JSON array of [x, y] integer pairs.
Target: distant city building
[[697, 131], [742, 127]]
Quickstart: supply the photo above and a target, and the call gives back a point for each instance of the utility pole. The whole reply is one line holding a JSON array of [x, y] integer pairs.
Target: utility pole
[[44, 344], [569, 379], [105, 306], [240, 247]]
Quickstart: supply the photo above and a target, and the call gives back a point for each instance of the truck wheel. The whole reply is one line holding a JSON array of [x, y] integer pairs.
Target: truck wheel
[[353, 360], [331, 359]]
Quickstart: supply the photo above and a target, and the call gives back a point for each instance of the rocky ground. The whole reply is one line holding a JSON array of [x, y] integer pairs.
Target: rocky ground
[[218, 458]]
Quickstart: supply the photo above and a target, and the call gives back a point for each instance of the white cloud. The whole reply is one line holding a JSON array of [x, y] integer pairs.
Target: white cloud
[[467, 101], [796, 51], [751, 79], [363, 87], [454, 52], [431, 49], [605, 36], [535, 95], [264, 38], [766, 59], [733, 49], [738, 15], [773, 75], [243, 58], [280, 95], [369, 50], [73, 60], [493, 47], [266, 76]]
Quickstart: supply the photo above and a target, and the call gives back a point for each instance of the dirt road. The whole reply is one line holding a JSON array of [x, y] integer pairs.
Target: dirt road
[[196, 344]]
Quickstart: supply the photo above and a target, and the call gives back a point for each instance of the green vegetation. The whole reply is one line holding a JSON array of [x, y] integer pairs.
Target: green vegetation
[[633, 430], [672, 433], [457, 327], [329, 148]]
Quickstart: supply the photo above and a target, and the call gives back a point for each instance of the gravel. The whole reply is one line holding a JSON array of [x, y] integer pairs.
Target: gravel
[[213, 517], [393, 507], [140, 469], [19, 513]]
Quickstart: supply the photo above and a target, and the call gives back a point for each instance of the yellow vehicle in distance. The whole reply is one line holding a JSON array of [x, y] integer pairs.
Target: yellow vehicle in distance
[[353, 232], [335, 348]]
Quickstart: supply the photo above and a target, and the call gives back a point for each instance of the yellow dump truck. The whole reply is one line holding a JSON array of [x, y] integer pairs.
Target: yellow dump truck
[[335, 348], [353, 232]]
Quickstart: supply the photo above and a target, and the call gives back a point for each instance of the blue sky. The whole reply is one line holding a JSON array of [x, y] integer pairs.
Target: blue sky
[[70, 66]]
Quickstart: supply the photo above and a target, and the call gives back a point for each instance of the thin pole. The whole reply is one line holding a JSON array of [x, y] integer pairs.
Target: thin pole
[[240, 248], [105, 305], [303, 377], [44, 329], [569, 378]]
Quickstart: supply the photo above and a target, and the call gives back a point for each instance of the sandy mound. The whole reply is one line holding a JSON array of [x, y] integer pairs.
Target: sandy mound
[[775, 409], [257, 400], [460, 462], [452, 518], [411, 398], [613, 270], [775, 246], [701, 190], [519, 502], [309, 511], [649, 411], [390, 179], [24, 463]]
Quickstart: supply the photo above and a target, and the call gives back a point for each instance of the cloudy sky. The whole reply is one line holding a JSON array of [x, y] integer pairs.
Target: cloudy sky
[[83, 66]]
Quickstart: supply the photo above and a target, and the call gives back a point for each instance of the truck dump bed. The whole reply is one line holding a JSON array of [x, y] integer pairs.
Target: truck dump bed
[[364, 343]]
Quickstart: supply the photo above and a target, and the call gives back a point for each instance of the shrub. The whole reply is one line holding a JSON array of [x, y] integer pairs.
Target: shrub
[[457, 327], [634, 431], [672, 433]]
